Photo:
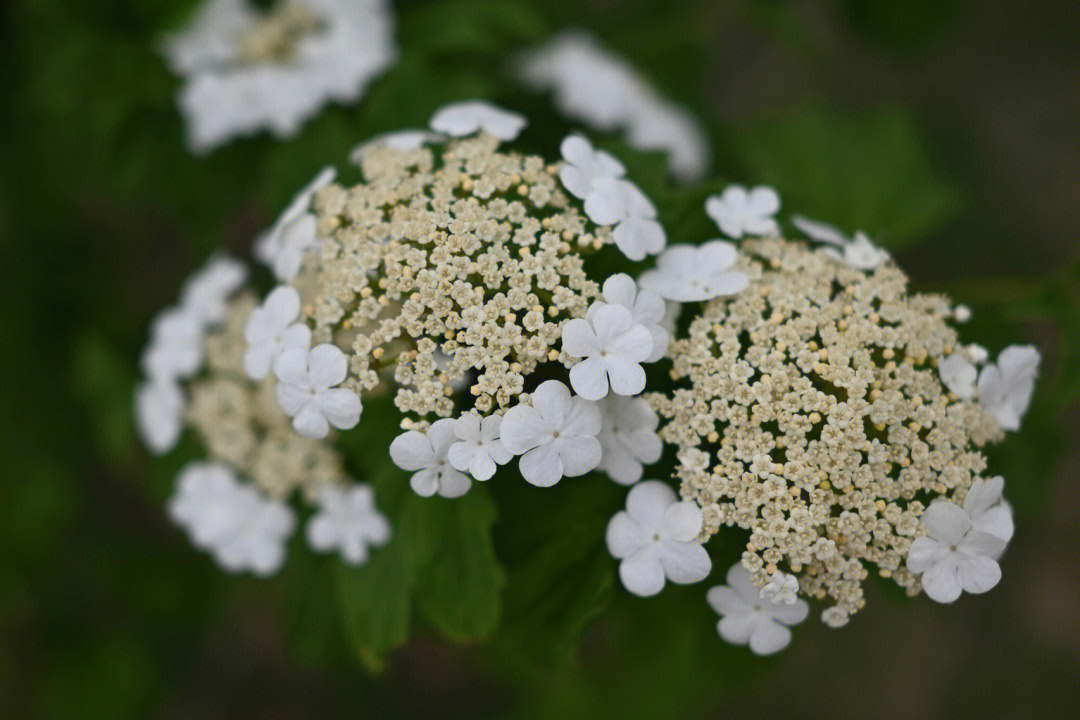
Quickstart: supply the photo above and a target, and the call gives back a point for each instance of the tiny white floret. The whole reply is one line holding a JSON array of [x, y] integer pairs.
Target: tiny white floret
[[782, 589]]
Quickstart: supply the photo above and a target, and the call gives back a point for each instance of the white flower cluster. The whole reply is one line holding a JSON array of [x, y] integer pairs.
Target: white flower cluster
[[246, 70], [202, 349], [1004, 388], [600, 88]]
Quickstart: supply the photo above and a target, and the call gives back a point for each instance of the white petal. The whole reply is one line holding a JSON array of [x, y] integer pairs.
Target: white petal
[[682, 521], [327, 365], [642, 573], [441, 435], [589, 378], [624, 536], [425, 483], [552, 400], [412, 451], [311, 423], [769, 637], [461, 455], [523, 429], [685, 562], [292, 398], [579, 454], [583, 418], [579, 339], [541, 466], [647, 503], [924, 553], [726, 601], [452, 483], [983, 495], [977, 574], [946, 522], [739, 628], [341, 407], [291, 367], [627, 378], [941, 582], [620, 289]]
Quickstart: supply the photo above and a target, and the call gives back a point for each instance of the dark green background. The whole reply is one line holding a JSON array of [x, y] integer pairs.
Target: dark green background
[[946, 129]]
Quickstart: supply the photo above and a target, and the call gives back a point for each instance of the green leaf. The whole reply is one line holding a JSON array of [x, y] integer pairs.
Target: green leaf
[[868, 172], [104, 382], [473, 26]]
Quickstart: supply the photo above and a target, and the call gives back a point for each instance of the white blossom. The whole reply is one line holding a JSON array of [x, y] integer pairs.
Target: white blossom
[[954, 556], [646, 307], [427, 455], [282, 247], [739, 212], [306, 390], [403, 140], [159, 414], [748, 619], [958, 375], [659, 125], [555, 435], [688, 273], [478, 448], [612, 346], [782, 589], [989, 511], [859, 251], [246, 70], [628, 438], [1005, 387], [241, 528], [348, 521], [175, 349], [655, 537], [271, 329], [472, 116], [206, 293]]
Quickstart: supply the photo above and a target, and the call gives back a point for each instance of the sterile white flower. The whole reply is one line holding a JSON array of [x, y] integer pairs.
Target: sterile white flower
[[465, 118], [272, 329], [478, 448], [348, 521], [207, 292], [628, 438], [988, 510], [782, 589], [655, 539], [748, 619], [175, 349], [584, 166], [958, 375], [637, 233], [282, 247], [688, 273], [426, 454], [247, 70], [954, 556], [612, 346], [306, 390], [646, 307], [859, 251], [658, 125], [739, 212], [159, 414], [1005, 387], [401, 140], [242, 529], [555, 435]]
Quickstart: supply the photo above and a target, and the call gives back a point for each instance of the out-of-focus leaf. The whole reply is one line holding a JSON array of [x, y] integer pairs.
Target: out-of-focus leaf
[[473, 26], [868, 172], [904, 25], [105, 383]]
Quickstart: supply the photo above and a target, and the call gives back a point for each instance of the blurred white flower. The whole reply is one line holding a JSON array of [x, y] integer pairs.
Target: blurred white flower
[[954, 556], [403, 140], [658, 125], [655, 537], [958, 375], [612, 346], [555, 435], [175, 349], [645, 306], [628, 438], [159, 414], [282, 247], [478, 448], [688, 273], [306, 390], [206, 293], [348, 521], [739, 212], [471, 116], [1005, 387], [427, 455], [241, 528], [859, 251], [749, 619], [247, 70], [272, 329]]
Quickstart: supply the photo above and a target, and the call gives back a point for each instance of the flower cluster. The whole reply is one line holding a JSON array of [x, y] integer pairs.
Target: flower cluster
[[597, 87], [813, 415], [456, 264], [246, 70], [201, 362]]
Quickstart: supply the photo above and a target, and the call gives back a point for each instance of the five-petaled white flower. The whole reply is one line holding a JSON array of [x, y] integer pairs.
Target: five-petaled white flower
[[243, 529], [426, 454], [282, 247], [646, 307], [478, 448], [954, 556], [739, 212], [348, 521], [958, 375], [206, 293], [748, 619], [555, 435], [628, 438], [159, 414], [859, 251], [272, 329], [306, 390], [175, 349], [655, 537], [1005, 387], [688, 273], [613, 346], [471, 116], [782, 589]]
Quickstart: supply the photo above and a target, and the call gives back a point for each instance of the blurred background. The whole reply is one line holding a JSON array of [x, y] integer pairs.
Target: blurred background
[[946, 129]]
